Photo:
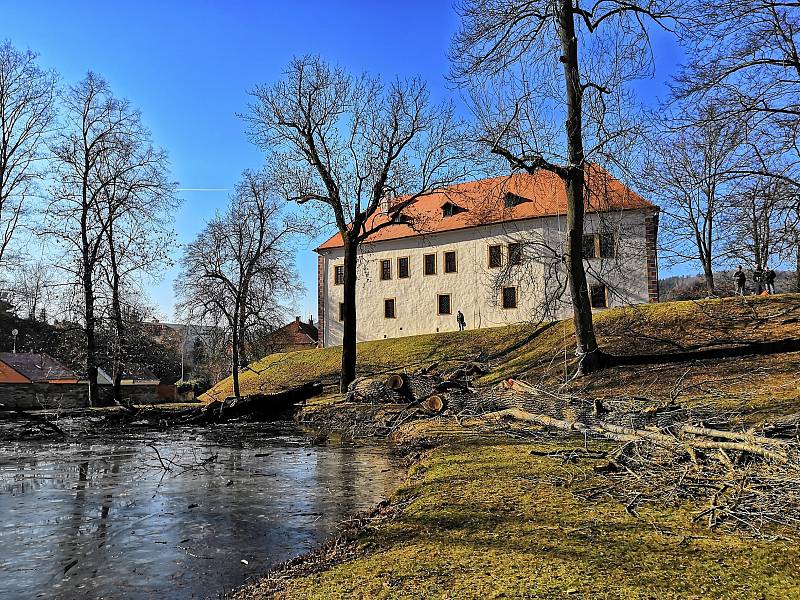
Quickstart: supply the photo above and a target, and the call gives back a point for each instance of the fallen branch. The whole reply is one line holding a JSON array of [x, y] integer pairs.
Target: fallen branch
[[628, 434], [16, 413]]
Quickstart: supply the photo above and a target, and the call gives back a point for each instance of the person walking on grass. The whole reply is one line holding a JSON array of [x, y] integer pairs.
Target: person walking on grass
[[769, 280], [739, 278], [462, 324]]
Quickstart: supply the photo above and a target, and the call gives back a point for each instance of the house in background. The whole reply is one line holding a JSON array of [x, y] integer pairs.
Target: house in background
[[297, 335], [31, 380], [37, 367], [139, 386], [494, 250]]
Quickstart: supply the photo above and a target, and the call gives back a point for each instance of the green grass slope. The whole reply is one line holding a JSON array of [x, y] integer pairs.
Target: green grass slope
[[489, 519], [758, 385]]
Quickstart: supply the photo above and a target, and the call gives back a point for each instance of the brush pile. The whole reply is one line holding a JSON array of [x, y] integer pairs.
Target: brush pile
[[669, 454], [644, 451]]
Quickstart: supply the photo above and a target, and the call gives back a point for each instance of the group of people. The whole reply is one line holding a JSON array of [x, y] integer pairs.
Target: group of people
[[763, 280]]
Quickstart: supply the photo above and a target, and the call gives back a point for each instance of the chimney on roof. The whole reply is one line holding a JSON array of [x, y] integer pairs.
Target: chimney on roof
[[310, 319], [297, 319]]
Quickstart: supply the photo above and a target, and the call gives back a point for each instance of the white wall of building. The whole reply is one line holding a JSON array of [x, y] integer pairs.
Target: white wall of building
[[475, 288]]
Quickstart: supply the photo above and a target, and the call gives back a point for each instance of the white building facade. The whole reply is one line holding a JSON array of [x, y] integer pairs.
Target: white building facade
[[415, 280]]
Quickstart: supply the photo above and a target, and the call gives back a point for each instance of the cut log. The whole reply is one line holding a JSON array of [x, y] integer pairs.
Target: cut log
[[255, 406], [433, 404], [395, 381]]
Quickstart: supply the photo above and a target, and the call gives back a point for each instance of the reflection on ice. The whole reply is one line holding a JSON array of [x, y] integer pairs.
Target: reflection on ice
[[184, 514]]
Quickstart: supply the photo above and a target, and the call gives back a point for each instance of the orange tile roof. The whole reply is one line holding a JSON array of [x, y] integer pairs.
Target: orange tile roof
[[483, 203]]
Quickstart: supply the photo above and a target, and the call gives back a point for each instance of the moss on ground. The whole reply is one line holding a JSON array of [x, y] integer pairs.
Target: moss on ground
[[486, 519]]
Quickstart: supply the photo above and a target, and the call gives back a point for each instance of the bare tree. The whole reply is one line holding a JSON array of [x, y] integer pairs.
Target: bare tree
[[512, 55], [747, 54], [758, 222], [350, 143], [136, 206], [26, 115], [33, 288], [695, 173], [240, 268], [95, 122]]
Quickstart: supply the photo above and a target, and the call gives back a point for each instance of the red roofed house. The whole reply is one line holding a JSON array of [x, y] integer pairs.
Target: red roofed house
[[492, 249], [296, 335], [31, 380]]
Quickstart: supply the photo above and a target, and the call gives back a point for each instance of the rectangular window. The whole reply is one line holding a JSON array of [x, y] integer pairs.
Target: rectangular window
[[598, 295], [338, 275], [607, 245], [430, 264], [443, 301], [509, 297], [450, 262], [388, 308], [495, 257], [588, 246], [514, 254], [386, 270], [402, 268], [341, 311]]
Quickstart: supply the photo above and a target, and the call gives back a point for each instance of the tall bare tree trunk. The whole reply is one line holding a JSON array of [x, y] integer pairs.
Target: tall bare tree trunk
[[119, 321], [591, 357], [235, 353], [708, 275], [349, 337], [88, 296]]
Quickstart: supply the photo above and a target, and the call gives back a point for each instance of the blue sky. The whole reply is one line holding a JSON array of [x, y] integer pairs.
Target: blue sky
[[188, 66]]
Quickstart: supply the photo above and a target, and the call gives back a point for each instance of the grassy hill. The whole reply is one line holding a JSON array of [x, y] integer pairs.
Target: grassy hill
[[758, 385], [489, 515]]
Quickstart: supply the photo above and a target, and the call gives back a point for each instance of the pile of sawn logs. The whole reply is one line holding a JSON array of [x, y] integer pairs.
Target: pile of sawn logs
[[432, 390]]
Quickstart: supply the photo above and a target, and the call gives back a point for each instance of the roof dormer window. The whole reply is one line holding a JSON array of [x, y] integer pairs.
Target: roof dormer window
[[510, 200], [400, 218], [449, 209]]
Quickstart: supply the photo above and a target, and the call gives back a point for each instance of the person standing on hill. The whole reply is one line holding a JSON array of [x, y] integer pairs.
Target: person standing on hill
[[769, 279], [758, 280], [462, 324], [739, 278]]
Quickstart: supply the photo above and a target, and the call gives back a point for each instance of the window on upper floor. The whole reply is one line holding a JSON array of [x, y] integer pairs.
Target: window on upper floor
[[514, 253], [402, 268], [443, 304], [589, 247], [450, 262], [338, 275], [608, 245], [388, 308], [495, 257], [386, 269], [429, 264]]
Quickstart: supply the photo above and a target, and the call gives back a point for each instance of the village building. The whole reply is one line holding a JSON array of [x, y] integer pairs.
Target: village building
[[296, 335], [31, 380], [493, 250]]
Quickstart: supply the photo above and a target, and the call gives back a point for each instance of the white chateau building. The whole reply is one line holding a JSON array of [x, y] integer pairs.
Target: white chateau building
[[492, 249]]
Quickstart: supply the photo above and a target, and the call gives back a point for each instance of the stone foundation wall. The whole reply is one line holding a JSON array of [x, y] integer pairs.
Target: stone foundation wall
[[32, 396]]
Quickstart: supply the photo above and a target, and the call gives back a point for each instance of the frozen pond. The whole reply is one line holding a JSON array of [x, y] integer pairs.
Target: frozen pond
[[106, 519]]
